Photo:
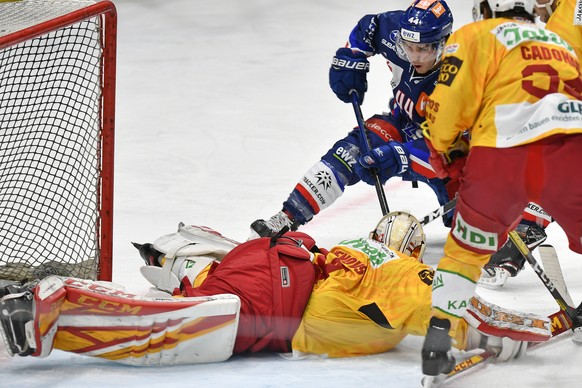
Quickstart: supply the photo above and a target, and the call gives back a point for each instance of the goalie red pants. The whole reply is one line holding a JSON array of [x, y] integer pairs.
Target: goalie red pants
[[273, 281]]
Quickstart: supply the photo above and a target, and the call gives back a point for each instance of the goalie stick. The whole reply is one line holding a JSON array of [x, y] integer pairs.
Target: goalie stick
[[558, 296], [552, 267], [366, 144]]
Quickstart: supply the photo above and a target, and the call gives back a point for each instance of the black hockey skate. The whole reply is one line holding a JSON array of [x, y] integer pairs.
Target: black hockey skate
[[272, 226], [15, 313], [436, 350], [508, 261], [577, 326]]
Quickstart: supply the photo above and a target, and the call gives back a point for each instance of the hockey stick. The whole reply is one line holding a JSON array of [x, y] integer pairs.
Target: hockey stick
[[367, 146], [441, 211], [552, 267], [560, 323], [559, 298]]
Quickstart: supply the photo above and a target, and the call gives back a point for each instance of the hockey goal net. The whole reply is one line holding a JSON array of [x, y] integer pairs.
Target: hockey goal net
[[57, 91]]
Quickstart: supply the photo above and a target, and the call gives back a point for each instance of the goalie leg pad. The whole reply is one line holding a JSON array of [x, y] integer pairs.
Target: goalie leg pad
[[101, 321]]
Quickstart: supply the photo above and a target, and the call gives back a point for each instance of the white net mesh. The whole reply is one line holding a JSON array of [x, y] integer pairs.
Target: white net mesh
[[18, 15], [50, 144]]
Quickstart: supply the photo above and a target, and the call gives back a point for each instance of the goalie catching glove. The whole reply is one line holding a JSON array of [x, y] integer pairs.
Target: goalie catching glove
[[176, 260], [388, 160]]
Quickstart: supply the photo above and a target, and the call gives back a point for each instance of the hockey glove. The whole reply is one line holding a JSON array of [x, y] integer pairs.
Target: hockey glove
[[451, 162], [388, 160], [348, 73]]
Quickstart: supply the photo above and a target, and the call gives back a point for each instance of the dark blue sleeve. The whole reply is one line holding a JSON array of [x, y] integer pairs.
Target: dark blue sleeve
[[374, 33], [362, 36]]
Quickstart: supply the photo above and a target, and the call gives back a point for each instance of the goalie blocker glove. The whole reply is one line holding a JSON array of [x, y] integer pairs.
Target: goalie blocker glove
[[348, 74]]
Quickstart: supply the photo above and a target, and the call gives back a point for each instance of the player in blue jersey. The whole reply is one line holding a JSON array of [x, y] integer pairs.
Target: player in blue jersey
[[412, 42]]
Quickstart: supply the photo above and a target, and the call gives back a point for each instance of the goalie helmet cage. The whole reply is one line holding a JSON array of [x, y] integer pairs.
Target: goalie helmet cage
[[57, 115]]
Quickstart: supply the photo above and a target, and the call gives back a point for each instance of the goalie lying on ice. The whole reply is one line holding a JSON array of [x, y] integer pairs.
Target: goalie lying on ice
[[214, 297]]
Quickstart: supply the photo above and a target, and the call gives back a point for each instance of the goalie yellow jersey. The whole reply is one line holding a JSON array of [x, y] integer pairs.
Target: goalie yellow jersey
[[566, 21], [510, 82], [366, 299]]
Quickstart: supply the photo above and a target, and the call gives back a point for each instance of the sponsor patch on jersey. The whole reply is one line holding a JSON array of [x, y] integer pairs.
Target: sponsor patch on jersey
[[512, 34], [578, 13], [452, 48], [473, 236], [449, 70], [393, 35], [377, 252], [426, 276]]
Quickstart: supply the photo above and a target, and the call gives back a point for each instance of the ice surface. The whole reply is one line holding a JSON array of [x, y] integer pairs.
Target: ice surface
[[221, 107]]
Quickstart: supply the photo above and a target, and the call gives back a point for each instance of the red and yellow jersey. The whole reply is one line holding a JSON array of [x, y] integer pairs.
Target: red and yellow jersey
[[366, 299], [509, 82], [566, 21]]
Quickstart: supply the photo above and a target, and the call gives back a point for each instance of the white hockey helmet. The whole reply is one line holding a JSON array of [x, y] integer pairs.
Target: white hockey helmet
[[501, 6], [402, 232]]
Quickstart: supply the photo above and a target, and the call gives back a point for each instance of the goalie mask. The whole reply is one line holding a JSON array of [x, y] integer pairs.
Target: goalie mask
[[402, 232]]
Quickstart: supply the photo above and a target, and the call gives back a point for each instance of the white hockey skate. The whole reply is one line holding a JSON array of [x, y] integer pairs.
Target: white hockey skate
[[272, 226]]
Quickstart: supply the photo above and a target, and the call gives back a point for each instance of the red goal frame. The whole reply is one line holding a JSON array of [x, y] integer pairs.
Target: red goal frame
[[108, 12]]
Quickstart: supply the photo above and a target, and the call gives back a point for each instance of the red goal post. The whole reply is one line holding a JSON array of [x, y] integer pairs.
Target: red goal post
[[57, 120]]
